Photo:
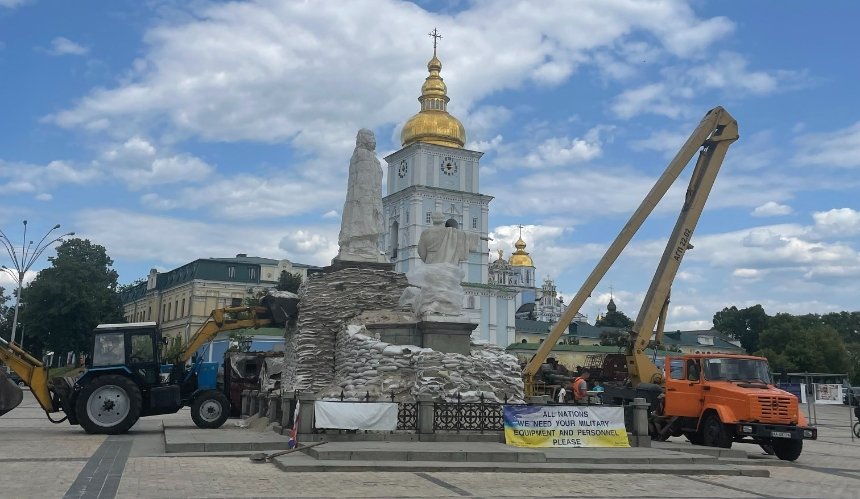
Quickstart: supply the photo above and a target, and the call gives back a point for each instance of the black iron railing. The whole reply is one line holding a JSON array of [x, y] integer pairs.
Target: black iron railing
[[468, 416]]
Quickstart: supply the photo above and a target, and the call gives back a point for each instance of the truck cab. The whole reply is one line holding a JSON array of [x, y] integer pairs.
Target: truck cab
[[716, 399]]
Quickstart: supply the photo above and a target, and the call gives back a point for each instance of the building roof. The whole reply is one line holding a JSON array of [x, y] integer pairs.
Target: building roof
[[528, 347], [586, 330], [531, 326], [239, 269], [704, 338]]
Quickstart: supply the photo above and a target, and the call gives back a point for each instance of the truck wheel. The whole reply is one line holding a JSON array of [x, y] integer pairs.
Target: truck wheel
[[694, 437], [787, 450], [715, 433], [210, 409], [108, 404]]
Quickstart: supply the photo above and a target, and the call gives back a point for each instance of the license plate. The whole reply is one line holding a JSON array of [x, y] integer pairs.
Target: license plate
[[780, 434]]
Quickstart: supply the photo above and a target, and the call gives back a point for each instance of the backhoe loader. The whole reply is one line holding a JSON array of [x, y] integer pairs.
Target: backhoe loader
[[127, 378], [713, 400]]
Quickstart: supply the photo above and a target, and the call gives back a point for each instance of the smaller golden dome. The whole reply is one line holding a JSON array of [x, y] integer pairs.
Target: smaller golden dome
[[520, 257], [433, 124]]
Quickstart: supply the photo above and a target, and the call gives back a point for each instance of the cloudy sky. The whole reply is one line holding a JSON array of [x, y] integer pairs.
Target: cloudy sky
[[173, 130]]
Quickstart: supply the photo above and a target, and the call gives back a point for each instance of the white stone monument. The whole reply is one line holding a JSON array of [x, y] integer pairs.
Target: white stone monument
[[436, 290], [362, 223]]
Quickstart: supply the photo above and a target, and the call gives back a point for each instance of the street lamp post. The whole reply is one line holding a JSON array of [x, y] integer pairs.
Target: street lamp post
[[21, 263]]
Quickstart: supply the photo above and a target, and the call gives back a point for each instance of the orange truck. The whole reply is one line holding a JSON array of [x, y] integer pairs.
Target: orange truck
[[718, 399]]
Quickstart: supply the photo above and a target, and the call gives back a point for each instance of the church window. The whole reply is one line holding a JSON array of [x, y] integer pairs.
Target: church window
[[407, 217], [252, 273], [231, 271], [474, 223], [395, 238], [427, 218], [183, 307]]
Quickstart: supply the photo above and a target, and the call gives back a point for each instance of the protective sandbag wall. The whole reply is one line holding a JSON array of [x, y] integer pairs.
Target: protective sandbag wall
[[328, 302]]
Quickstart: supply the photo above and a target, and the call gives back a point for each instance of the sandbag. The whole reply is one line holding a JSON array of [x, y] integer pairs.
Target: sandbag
[[11, 395]]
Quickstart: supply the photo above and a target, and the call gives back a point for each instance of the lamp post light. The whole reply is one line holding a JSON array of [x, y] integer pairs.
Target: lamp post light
[[21, 263]]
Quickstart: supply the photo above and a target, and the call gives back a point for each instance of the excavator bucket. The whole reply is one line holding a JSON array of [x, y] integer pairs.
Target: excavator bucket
[[11, 394]]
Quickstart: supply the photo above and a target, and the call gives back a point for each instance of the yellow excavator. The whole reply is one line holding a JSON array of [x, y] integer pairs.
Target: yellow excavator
[[127, 378]]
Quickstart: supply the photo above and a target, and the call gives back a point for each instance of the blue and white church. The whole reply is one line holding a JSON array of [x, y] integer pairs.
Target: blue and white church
[[433, 172]]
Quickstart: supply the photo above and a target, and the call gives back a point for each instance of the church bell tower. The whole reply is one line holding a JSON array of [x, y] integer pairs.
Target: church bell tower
[[433, 172]]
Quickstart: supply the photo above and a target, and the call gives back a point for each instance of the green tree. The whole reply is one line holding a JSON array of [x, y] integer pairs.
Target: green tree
[[847, 324], [745, 325], [614, 319], [803, 343], [289, 282], [67, 300], [125, 287], [5, 318]]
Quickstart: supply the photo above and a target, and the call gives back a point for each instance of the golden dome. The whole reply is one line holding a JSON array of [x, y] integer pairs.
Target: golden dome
[[433, 124], [520, 257]]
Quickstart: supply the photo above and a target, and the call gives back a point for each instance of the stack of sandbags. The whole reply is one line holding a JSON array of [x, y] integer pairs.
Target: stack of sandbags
[[328, 302]]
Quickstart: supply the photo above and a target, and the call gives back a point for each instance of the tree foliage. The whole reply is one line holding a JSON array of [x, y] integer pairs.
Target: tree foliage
[[614, 319], [5, 316], [289, 282], [803, 344], [745, 325], [66, 301]]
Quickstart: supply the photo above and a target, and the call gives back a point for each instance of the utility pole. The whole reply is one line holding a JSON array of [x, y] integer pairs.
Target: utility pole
[[21, 262]]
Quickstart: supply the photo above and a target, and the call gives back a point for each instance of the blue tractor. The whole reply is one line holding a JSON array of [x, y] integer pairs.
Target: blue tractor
[[127, 378]]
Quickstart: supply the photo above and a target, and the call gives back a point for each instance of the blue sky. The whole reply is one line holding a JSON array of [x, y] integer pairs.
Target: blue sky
[[168, 131]]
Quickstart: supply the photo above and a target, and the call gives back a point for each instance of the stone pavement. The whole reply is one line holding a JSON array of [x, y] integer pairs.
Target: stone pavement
[[38, 459]]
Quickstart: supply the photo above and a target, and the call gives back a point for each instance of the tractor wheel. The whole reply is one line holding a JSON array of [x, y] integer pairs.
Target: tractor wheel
[[715, 433], [108, 404], [787, 450], [210, 409]]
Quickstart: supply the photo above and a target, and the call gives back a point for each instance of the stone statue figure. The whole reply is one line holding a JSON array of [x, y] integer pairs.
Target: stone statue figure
[[362, 223], [436, 288], [443, 244]]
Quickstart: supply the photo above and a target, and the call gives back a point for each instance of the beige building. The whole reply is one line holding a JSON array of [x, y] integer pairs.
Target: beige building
[[181, 299]]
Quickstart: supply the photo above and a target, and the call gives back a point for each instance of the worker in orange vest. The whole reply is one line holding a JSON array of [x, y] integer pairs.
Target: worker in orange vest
[[579, 387]]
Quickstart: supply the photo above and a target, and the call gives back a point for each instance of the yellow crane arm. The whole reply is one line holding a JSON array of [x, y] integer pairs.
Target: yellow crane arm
[[32, 371], [223, 319], [717, 127]]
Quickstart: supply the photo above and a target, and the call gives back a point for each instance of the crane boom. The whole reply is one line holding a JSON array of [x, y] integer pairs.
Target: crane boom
[[31, 370], [714, 134]]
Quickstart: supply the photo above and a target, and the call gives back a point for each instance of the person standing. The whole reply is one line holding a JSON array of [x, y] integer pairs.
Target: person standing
[[579, 386]]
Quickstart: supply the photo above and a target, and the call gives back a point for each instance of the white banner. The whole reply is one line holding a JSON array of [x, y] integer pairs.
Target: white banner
[[356, 415], [827, 393]]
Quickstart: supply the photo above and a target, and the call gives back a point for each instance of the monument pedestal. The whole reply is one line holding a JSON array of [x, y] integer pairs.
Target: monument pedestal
[[447, 337], [443, 336]]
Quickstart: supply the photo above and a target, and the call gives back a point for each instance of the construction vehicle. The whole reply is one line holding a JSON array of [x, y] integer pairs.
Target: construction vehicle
[[715, 399], [127, 378]]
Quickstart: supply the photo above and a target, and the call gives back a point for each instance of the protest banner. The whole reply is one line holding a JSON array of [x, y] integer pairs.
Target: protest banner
[[565, 426]]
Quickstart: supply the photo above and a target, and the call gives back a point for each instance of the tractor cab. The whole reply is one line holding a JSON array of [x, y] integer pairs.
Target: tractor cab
[[132, 347]]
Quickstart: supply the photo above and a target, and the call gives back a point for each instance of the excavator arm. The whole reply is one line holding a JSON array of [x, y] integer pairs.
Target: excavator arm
[[32, 372], [713, 135], [225, 319]]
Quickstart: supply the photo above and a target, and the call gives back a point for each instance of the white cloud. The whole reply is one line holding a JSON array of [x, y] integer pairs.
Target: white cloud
[[673, 96], [840, 148], [44, 197], [130, 236], [331, 214], [747, 273], [837, 222], [269, 71], [771, 209], [18, 178], [63, 46], [11, 4], [139, 164]]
